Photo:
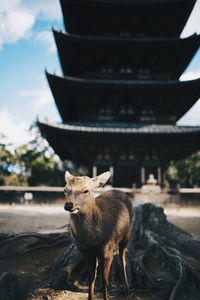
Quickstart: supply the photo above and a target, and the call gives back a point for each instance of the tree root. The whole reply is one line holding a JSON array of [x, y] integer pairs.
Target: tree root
[[18, 244], [157, 259], [163, 261]]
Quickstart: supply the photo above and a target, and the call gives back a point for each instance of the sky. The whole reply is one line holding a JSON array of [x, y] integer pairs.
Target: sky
[[27, 48]]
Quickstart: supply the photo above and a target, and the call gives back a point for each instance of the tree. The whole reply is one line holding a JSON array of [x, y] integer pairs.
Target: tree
[[185, 172], [6, 160], [31, 164]]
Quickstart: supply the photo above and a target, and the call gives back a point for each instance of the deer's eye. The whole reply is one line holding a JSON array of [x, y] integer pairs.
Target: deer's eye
[[85, 192]]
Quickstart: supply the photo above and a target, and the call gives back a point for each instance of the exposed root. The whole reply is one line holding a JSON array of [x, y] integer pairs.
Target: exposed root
[[163, 261], [18, 244], [157, 258]]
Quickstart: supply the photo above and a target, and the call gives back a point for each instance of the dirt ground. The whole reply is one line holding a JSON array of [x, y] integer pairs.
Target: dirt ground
[[33, 267], [31, 218], [44, 218]]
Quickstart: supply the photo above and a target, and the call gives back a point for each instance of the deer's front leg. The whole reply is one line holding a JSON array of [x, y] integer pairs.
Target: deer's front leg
[[105, 269], [92, 277]]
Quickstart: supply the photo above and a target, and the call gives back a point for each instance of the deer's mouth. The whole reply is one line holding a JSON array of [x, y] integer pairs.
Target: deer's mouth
[[70, 208], [75, 210]]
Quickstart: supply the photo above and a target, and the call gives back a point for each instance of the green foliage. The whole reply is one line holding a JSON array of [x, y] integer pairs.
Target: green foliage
[[186, 172], [32, 164], [46, 171], [6, 160]]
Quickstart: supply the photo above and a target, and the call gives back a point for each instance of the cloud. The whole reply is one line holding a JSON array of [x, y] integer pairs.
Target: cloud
[[17, 18], [47, 37], [190, 75], [44, 9], [15, 132], [192, 117], [193, 25], [40, 97], [40, 102], [15, 22]]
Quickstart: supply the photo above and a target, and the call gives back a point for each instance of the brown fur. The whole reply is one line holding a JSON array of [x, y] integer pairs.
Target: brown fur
[[100, 226]]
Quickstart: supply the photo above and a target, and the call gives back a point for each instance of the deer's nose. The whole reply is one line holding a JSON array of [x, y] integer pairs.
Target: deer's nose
[[68, 206]]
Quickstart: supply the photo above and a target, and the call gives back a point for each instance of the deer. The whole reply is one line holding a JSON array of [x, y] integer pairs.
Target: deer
[[99, 225]]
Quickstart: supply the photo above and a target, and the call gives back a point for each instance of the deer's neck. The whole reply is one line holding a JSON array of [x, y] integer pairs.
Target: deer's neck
[[86, 216], [85, 224]]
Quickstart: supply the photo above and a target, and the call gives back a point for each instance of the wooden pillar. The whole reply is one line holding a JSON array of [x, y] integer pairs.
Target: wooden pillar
[[94, 171], [142, 175], [159, 175], [111, 169]]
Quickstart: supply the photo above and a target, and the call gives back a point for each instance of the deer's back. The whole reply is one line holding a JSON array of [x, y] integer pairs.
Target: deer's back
[[113, 204], [117, 212]]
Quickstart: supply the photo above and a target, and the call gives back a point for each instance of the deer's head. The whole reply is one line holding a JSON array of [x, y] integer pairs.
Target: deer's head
[[79, 191]]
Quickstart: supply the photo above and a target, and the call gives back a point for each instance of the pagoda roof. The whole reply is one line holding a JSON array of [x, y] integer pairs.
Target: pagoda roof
[[124, 2], [77, 53], [79, 15], [70, 140], [90, 40], [80, 99], [121, 128], [57, 82]]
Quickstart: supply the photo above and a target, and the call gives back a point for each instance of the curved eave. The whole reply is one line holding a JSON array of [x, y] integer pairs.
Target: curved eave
[[125, 2], [57, 82], [70, 140], [63, 38], [98, 129]]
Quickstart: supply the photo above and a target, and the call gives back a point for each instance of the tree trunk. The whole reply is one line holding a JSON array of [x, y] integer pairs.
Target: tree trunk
[[163, 261]]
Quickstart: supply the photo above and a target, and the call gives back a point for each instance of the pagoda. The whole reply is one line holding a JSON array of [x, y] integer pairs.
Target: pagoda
[[120, 96]]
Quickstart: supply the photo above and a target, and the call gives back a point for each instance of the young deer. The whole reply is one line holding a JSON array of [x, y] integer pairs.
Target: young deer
[[98, 225]]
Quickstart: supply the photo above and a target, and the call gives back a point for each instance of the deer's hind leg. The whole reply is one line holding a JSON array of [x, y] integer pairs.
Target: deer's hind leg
[[92, 277], [122, 255]]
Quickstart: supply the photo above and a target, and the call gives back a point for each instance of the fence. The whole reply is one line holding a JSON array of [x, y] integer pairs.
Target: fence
[[23, 194]]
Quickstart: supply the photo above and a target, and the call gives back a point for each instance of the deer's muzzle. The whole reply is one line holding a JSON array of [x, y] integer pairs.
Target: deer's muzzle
[[69, 207]]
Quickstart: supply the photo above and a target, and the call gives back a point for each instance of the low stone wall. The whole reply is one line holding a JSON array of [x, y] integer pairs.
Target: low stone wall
[[30, 197], [35, 195]]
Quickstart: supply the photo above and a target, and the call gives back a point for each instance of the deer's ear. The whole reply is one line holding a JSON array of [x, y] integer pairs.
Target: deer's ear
[[100, 180], [68, 177]]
